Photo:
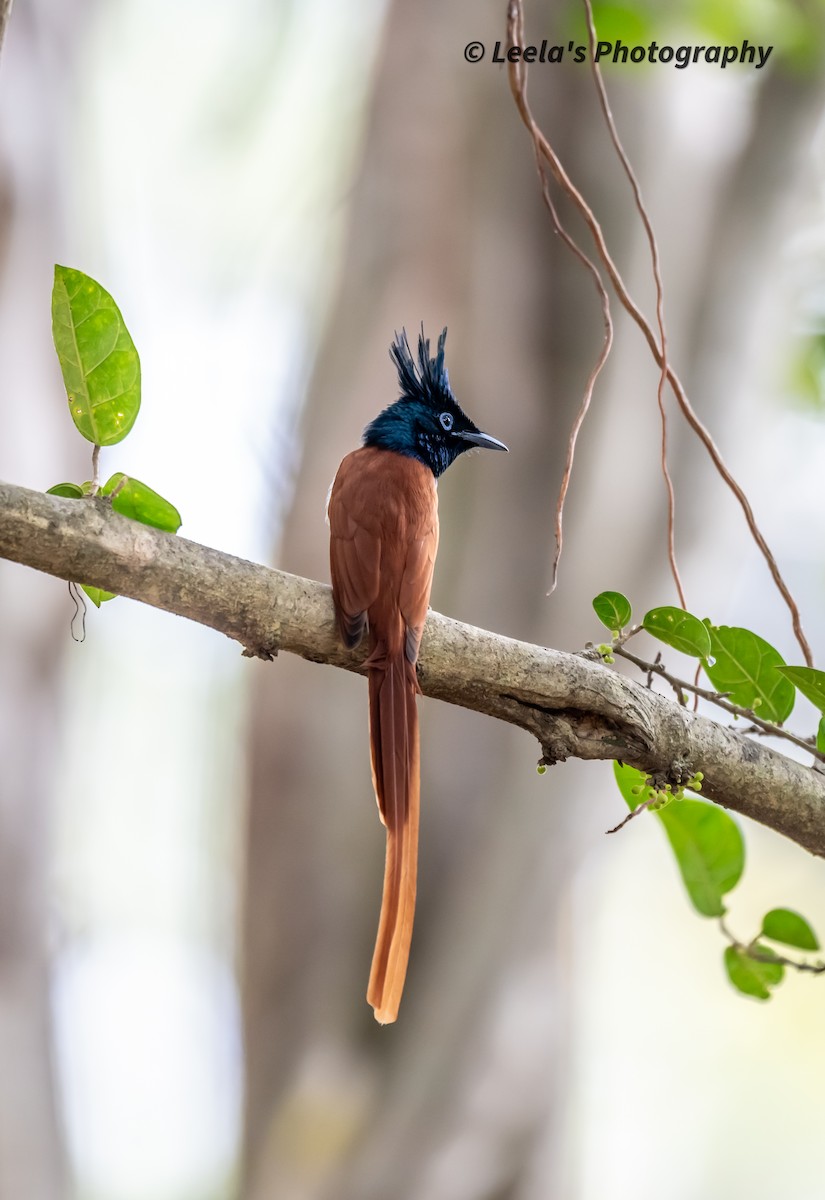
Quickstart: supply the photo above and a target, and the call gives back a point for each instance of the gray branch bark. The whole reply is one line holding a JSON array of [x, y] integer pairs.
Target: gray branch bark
[[574, 707]]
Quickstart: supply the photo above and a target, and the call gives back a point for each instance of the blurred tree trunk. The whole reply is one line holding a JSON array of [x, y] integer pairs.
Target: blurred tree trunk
[[36, 612], [465, 1096], [447, 227]]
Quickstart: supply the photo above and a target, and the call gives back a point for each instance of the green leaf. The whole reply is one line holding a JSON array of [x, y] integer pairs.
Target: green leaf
[[820, 736], [139, 502], [745, 667], [613, 610], [678, 629], [709, 850], [72, 491], [810, 682], [794, 32], [630, 22], [100, 365], [706, 841], [97, 595], [786, 926], [628, 778], [807, 372], [751, 975]]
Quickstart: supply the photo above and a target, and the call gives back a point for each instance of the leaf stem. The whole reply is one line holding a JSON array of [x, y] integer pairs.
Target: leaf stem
[[121, 484], [656, 668], [752, 951], [634, 812]]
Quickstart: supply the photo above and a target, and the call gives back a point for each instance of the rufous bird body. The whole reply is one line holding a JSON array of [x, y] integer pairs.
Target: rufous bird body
[[383, 517]]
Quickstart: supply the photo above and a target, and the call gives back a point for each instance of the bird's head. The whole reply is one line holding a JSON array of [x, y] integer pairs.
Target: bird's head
[[426, 422]]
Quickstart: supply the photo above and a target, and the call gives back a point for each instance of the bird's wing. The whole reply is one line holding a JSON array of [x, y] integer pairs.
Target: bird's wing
[[355, 555], [414, 596]]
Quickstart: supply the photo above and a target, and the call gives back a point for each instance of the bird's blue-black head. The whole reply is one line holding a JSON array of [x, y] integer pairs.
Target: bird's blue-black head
[[426, 422]]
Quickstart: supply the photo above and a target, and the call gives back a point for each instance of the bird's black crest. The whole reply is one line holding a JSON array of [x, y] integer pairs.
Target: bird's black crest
[[427, 380], [426, 421]]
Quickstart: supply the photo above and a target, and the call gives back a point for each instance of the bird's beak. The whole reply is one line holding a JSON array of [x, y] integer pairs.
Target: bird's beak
[[482, 439]]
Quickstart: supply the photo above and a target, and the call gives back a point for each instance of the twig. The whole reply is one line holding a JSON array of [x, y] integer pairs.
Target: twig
[[757, 732], [717, 698], [660, 292], [628, 633], [591, 379], [634, 812], [518, 86], [121, 484], [79, 611], [95, 471], [753, 952], [656, 663], [515, 24]]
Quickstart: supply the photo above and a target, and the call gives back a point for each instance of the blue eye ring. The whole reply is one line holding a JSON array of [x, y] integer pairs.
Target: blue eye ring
[[446, 420]]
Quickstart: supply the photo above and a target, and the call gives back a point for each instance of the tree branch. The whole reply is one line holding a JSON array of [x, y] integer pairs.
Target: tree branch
[[574, 707]]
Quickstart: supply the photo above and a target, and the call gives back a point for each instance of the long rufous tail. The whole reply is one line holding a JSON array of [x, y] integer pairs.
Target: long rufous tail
[[396, 777]]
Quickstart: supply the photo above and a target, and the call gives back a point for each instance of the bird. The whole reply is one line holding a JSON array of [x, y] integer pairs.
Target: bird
[[382, 512]]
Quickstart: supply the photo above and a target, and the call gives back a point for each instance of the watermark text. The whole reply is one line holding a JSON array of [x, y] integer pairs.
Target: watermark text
[[618, 52]]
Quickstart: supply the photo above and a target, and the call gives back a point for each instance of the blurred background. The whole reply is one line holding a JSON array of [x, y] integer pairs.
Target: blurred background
[[190, 859]]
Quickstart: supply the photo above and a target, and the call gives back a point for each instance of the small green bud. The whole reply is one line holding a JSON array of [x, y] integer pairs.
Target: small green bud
[[541, 769]]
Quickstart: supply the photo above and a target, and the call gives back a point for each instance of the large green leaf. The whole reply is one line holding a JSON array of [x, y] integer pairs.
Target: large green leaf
[[629, 778], [100, 365], [709, 850], [678, 629], [613, 610], [810, 682], [744, 667], [786, 926], [706, 841], [139, 502], [750, 975]]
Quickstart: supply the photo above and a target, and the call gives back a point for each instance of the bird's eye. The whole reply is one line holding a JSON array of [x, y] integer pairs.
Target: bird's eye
[[446, 420]]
